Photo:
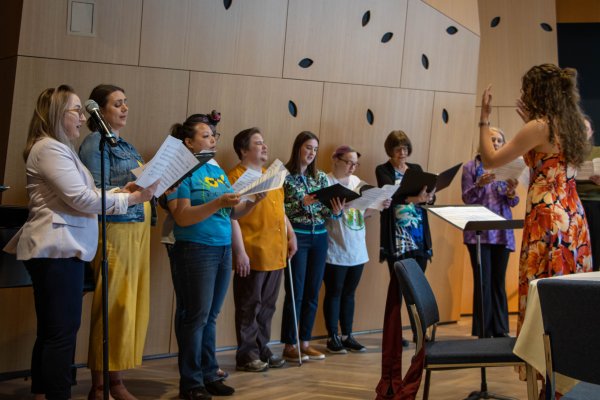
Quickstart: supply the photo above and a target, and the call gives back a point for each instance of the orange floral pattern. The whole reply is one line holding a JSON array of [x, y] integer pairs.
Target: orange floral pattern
[[556, 239]]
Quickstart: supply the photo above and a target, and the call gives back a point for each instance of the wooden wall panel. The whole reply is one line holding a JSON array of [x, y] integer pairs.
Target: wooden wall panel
[[452, 59], [248, 38], [344, 122], [331, 34], [44, 32], [573, 11], [516, 44], [8, 69], [447, 148], [462, 11], [245, 102]]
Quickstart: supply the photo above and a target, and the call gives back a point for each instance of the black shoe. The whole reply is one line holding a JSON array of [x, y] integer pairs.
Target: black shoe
[[335, 346], [218, 388], [275, 361], [351, 344], [198, 393], [405, 343]]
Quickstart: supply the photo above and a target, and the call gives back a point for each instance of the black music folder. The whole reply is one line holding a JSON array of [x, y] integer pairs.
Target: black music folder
[[325, 195], [413, 181], [203, 157]]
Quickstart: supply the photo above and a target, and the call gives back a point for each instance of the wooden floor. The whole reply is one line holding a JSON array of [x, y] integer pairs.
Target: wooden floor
[[351, 376]]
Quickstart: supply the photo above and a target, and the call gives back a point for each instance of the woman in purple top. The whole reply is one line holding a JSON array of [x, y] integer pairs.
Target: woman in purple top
[[480, 187]]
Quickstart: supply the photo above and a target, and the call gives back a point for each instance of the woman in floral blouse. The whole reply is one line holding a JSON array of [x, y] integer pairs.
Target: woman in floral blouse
[[480, 187], [307, 217]]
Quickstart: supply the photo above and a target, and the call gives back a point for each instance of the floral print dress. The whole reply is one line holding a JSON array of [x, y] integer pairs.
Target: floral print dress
[[556, 239]]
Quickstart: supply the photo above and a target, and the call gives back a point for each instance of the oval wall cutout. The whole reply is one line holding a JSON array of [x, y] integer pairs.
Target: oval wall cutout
[[227, 4], [366, 18], [370, 116], [425, 61], [387, 37], [451, 30], [292, 109], [445, 116], [546, 27], [495, 22], [305, 62]]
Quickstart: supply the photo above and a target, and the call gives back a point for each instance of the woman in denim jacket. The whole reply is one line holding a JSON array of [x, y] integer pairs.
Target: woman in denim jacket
[[128, 253]]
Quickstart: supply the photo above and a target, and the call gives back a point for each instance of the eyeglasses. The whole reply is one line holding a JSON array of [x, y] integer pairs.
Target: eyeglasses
[[77, 110], [350, 163], [401, 149], [216, 135]]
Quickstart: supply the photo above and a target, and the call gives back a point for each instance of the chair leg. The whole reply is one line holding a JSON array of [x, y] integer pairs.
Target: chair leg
[[532, 390], [426, 388]]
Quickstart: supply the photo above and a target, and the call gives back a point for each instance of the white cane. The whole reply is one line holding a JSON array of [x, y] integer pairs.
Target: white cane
[[294, 310]]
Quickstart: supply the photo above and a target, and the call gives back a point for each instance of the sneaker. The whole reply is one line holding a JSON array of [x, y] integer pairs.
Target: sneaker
[[276, 361], [292, 355], [334, 345], [351, 344], [218, 388], [253, 366], [312, 353]]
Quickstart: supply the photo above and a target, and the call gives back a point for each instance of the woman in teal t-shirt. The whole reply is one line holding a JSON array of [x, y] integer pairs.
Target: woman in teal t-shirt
[[202, 207]]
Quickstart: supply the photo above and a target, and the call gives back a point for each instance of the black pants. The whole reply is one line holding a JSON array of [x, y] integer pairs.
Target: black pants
[[422, 261], [57, 291], [340, 285], [494, 260], [592, 214]]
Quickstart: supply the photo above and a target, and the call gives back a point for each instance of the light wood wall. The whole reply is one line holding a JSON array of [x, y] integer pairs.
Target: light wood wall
[[183, 56], [507, 51]]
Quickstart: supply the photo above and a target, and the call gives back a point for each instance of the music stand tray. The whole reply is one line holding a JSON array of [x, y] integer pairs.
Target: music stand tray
[[476, 218]]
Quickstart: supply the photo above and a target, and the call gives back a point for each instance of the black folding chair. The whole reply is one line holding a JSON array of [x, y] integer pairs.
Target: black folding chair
[[448, 354], [571, 330]]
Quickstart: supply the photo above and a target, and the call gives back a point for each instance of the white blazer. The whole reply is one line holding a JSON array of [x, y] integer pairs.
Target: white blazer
[[63, 206]]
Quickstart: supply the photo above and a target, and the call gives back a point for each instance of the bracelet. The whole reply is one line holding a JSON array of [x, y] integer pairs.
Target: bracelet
[[483, 123]]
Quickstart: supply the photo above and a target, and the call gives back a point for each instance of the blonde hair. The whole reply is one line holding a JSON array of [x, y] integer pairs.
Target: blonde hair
[[47, 117]]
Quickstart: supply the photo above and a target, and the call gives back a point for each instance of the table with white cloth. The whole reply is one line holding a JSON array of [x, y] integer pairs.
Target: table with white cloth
[[530, 344]]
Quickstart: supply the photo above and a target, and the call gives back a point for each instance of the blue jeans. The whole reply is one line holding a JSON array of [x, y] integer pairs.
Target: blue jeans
[[201, 279], [308, 265], [57, 291], [338, 305]]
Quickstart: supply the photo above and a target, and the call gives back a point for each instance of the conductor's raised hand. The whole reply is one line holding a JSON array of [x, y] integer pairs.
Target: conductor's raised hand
[[486, 104]]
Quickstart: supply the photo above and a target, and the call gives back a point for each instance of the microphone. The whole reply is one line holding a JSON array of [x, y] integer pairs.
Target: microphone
[[92, 108]]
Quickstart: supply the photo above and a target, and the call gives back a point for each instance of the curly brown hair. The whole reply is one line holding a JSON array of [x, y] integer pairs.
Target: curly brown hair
[[550, 92]]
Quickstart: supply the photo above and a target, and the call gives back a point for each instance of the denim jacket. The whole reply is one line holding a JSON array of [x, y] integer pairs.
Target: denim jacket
[[118, 163]]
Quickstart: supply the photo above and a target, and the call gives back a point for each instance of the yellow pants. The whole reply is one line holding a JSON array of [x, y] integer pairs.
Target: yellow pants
[[128, 254]]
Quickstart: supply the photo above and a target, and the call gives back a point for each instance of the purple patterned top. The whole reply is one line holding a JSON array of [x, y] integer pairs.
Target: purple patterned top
[[493, 196]]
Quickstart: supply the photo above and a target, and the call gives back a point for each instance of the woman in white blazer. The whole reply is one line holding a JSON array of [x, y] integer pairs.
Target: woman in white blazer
[[60, 234]]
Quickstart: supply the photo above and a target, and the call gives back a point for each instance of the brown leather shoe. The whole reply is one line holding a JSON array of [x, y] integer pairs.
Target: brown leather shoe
[[312, 353], [291, 354]]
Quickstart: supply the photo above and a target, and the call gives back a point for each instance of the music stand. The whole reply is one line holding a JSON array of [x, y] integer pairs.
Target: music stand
[[476, 218]]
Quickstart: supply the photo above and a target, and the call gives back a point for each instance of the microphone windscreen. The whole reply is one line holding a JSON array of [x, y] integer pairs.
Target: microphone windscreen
[[91, 105]]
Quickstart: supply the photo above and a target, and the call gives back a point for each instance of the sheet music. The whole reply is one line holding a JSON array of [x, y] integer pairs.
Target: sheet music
[[265, 185], [588, 169], [373, 198], [512, 170], [171, 162], [275, 170], [459, 216], [249, 176]]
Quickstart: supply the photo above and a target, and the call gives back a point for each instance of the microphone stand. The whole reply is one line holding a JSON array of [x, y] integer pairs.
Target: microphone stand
[[104, 272]]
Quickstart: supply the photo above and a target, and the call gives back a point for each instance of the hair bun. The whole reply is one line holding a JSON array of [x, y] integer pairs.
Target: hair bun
[[215, 117]]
